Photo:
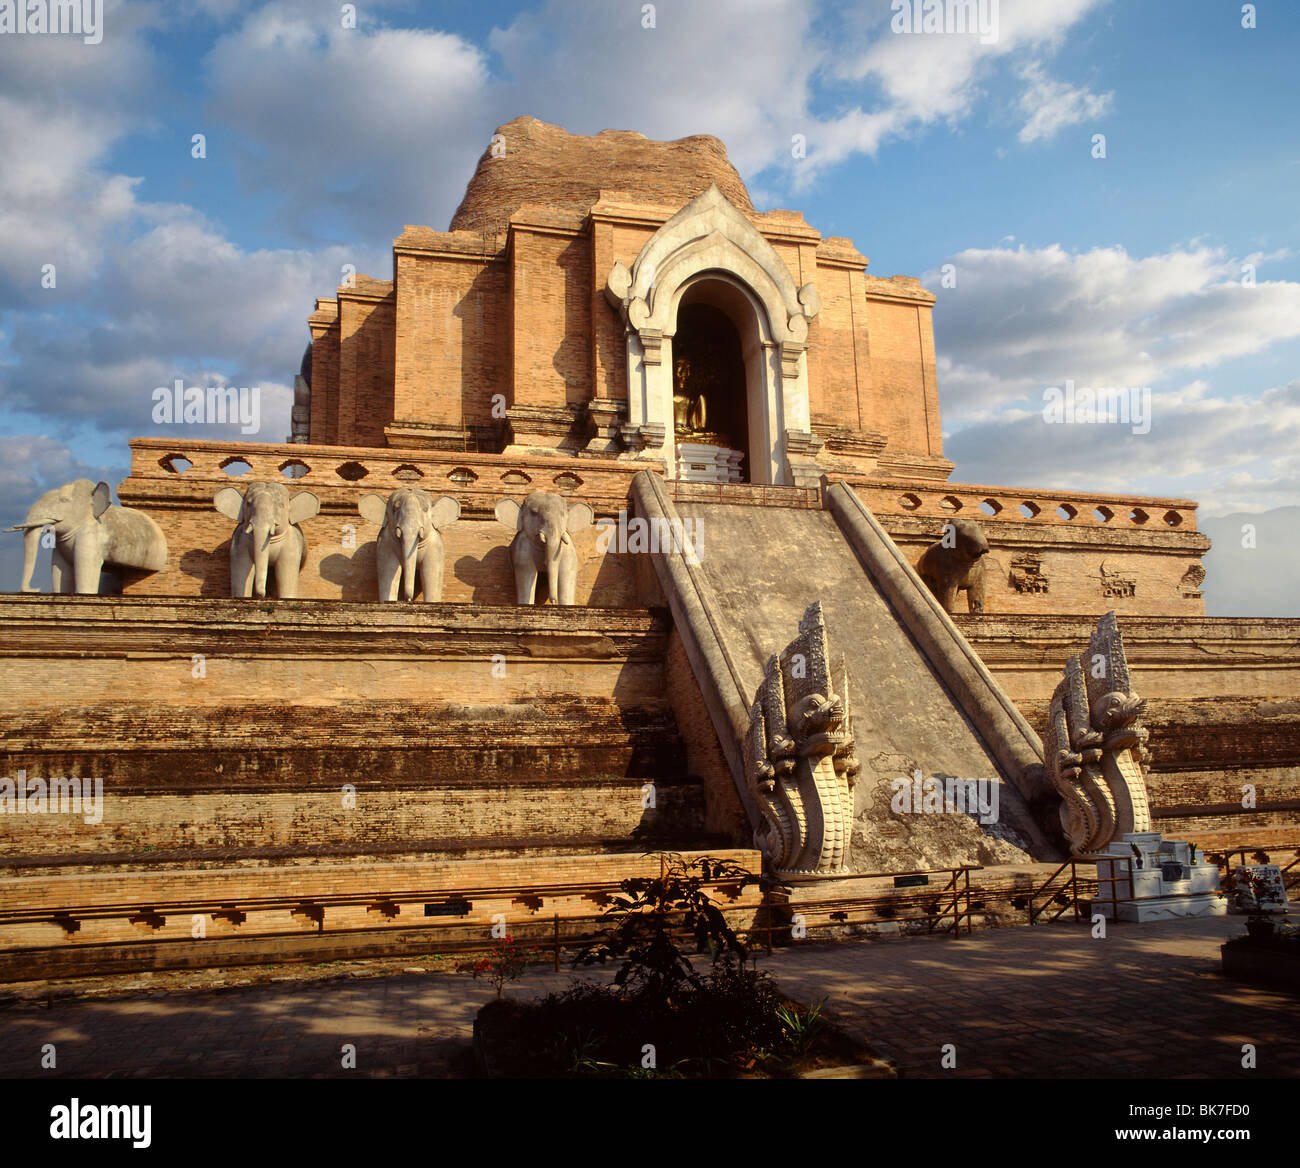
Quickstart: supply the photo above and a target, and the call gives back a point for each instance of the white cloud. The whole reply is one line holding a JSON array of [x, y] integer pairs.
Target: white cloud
[[1228, 453], [1051, 106], [369, 127], [63, 105], [1020, 320], [925, 79]]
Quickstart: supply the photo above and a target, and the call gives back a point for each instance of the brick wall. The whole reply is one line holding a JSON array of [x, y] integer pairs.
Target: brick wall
[[324, 409], [367, 319], [214, 725], [551, 277], [1223, 708]]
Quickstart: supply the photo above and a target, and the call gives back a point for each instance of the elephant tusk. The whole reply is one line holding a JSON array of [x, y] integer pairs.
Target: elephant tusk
[[30, 526]]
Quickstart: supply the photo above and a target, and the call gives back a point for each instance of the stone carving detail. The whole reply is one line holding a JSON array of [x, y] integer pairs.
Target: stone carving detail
[[1027, 574], [1095, 746], [604, 416], [91, 532], [801, 449], [410, 552], [799, 758], [1116, 585], [956, 564], [543, 543], [1190, 585], [266, 536], [645, 439]]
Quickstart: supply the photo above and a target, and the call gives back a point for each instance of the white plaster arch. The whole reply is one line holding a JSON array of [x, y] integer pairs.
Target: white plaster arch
[[709, 238], [759, 351]]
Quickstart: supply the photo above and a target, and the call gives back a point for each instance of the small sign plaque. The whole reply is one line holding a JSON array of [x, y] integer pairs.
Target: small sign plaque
[[449, 908], [911, 881]]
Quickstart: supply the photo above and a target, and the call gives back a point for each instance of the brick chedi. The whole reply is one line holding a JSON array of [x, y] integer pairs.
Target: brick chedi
[[537, 345], [608, 331]]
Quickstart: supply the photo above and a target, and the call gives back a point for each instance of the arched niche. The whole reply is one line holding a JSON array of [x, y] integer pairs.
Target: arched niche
[[709, 252]]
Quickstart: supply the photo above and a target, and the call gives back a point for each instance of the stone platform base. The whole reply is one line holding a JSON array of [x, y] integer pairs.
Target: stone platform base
[[1163, 908]]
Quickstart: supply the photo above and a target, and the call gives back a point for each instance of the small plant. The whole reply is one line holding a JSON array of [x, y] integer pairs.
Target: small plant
[[801, 1026], [506, 961]]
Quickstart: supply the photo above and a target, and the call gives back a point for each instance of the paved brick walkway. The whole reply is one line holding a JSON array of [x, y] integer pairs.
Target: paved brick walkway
[[1052, 1002], [1043, 1002]]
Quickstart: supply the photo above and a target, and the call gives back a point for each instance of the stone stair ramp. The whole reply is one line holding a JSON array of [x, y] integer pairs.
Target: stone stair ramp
[[919, 696]]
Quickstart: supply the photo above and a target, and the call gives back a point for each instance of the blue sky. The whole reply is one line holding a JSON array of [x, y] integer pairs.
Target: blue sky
[[925, 150]]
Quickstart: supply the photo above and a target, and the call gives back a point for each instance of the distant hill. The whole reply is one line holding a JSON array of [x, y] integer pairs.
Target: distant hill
[[1259, 581]]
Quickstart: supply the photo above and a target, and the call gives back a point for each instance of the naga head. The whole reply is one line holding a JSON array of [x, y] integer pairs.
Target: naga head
[[1115, 710]]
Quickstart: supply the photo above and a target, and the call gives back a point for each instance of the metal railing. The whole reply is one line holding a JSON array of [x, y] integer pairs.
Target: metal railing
[[946, 907]]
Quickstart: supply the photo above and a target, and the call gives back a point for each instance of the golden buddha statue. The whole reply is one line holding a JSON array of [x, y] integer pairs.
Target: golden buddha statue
[[690, 409]]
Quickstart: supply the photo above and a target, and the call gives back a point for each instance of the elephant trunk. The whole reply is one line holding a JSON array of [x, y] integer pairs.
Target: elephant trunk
[[553, 570], [261, 536], [410, 537], [31, 542]]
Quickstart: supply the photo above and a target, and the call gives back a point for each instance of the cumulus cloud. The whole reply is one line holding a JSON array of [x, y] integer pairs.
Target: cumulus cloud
[[177, 301], [364, 128], [1050, 106], [1020, 320], [63, 105], [921, 80], [1223, 450]]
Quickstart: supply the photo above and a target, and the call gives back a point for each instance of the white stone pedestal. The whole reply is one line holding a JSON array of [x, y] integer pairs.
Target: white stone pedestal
[[1159, 883], [698, 462]]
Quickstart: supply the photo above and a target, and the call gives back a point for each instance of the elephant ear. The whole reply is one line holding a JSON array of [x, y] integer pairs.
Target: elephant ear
[[303, 506], [373, 508], [101, 498], [229, 502], [507, 513], [446, 510], [580, 516]]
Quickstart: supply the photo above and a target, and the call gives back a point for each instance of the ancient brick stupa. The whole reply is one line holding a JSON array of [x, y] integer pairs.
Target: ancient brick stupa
[[597, 532]]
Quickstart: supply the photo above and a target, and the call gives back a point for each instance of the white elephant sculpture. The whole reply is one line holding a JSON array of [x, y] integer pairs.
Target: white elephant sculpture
[[410, 548], [543, 542], [266, 536], [90, 531]]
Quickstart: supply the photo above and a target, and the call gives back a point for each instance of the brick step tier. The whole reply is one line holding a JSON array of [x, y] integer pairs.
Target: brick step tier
[[649, 838], [369, 777]]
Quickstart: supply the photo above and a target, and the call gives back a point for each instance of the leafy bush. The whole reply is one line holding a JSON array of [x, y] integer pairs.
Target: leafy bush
[[661, 1016], [648, 911]]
